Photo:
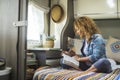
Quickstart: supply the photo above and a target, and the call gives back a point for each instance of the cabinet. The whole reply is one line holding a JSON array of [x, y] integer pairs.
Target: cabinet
[[31, 65], [97, 9], [12, 39], [44, 56], [53, 57]]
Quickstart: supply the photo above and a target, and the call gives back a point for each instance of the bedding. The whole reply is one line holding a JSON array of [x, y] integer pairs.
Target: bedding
[[50, 73], [114, 64]]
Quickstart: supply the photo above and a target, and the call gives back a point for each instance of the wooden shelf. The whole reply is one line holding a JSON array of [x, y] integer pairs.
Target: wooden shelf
[[44, 49]]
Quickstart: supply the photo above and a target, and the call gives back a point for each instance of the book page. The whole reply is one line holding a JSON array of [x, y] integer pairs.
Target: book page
[[70, 59]]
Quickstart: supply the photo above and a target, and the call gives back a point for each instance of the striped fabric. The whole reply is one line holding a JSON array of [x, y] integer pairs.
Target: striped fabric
[[46, 73]]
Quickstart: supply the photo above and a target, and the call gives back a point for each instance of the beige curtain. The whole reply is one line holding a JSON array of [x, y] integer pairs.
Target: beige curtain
[[42, 4]]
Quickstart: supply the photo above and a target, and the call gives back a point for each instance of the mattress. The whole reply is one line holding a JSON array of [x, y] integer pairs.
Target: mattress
[[51, 73]]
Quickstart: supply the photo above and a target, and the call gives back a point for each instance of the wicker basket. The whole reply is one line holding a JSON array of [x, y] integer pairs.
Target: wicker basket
[[48, 44]]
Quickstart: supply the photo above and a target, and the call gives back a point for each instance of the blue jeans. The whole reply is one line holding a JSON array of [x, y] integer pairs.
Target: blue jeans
[[102, 65]]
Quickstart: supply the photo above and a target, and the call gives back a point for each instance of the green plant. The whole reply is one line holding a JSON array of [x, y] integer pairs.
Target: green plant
[[52, 38]]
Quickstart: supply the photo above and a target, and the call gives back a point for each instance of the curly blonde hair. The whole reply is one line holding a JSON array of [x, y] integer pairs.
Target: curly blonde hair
[[86, 25]]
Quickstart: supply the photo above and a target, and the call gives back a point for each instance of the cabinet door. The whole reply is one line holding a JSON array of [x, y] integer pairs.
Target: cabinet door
[[8, 34], [97, 9]]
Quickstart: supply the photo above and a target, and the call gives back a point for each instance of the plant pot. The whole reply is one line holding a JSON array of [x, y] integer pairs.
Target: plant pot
[[48, 44]]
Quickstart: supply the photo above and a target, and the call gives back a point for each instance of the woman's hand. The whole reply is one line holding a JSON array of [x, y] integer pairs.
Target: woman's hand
[[65, 52], [69, 53], [83, 59], [77, 57]]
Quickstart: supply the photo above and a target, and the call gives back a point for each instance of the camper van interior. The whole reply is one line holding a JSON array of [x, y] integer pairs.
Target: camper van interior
[[34, 34]]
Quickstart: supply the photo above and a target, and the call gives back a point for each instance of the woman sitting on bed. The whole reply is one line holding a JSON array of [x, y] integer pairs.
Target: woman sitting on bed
[[93, 56]]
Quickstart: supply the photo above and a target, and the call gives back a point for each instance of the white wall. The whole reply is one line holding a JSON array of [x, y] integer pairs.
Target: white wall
[[56, 28], [107, 26]]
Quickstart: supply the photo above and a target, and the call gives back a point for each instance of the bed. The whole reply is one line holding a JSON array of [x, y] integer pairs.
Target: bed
[[58, 73], [51, 73]]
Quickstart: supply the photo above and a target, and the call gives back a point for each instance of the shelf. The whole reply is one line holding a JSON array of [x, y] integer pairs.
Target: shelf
[[31, 62], [59, 57], [43, 54], [44, 49]]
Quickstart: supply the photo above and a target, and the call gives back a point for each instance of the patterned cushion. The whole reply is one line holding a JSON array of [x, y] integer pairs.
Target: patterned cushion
[[113, 49], [70, 42]]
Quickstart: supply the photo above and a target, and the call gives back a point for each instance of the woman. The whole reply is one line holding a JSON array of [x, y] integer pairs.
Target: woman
[[93, 50], [93, 56]]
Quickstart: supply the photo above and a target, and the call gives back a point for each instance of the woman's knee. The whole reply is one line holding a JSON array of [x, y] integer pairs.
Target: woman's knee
[[103, 65], [103, 60]]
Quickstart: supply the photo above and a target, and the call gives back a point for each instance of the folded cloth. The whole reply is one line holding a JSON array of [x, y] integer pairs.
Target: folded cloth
[[114, 65]]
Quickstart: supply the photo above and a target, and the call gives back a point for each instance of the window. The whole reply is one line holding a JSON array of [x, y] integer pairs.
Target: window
[[35, 23], [35, 26]]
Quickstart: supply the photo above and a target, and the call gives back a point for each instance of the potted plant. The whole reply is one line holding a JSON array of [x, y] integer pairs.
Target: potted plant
[[49, 42]]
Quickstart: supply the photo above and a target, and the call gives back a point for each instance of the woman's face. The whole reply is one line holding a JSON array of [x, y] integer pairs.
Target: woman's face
[[79, 32]]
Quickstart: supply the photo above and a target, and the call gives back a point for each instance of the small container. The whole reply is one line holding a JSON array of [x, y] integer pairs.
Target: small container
[[5, 74], [48, 44], [2, 63]]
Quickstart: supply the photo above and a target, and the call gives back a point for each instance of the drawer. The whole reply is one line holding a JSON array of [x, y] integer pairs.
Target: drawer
[[53, 54]]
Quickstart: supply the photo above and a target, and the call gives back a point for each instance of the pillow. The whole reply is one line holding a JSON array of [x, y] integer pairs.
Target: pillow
[[113, 49], [70, 43], [75, 45]]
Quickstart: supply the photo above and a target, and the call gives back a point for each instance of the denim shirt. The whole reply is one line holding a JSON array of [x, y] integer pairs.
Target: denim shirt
[[96, 48]]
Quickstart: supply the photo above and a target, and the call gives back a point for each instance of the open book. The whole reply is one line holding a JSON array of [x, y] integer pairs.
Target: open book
[[68, 60]]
